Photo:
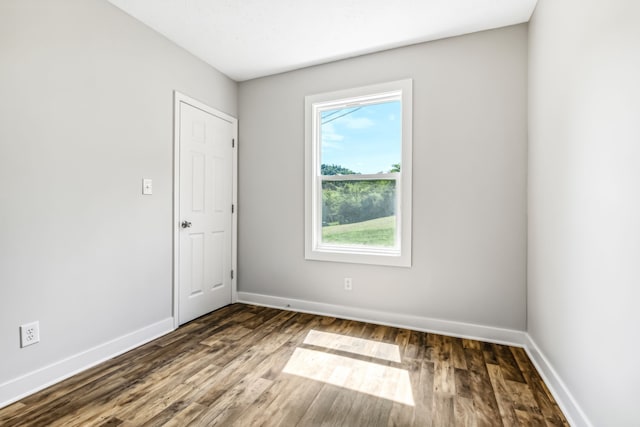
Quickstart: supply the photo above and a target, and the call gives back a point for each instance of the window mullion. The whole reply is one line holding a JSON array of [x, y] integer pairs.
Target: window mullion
[[360, 177]]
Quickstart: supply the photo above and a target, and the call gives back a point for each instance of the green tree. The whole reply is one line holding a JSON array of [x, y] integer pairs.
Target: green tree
[[335, 170], [348, 202]]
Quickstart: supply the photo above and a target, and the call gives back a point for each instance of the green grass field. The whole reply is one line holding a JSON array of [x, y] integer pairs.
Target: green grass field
[[376, 232]]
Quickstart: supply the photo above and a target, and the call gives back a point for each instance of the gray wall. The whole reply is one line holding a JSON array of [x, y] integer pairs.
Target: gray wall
[[469, 197], [584, 201], [85, 114]]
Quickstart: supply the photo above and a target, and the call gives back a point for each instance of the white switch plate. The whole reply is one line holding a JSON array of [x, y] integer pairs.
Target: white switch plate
[[147, 186]]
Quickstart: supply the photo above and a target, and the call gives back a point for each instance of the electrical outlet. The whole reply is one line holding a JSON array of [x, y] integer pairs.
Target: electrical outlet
[[348, 284], [29, 334]]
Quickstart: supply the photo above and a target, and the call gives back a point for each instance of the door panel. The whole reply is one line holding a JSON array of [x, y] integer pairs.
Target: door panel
[[205, 244], [196, 275]]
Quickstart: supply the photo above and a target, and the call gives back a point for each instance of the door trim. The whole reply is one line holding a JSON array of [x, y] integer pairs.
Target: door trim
[[179, 97]]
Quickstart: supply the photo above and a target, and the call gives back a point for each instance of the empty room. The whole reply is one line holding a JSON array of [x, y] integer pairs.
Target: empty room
[[303, 213]]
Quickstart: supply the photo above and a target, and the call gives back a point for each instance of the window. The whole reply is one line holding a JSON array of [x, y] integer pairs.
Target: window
[[358, 175]]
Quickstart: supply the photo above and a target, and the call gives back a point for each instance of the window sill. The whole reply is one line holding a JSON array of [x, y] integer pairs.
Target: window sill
[[372, 257]]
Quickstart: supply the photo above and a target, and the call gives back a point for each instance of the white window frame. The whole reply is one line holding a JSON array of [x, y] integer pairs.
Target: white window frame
[[400, 255]]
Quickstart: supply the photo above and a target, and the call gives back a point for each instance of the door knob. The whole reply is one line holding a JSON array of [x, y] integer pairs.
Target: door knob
[[186, 224]]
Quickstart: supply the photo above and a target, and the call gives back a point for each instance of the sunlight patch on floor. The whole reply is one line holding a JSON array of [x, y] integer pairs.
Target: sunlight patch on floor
[[379, 350], [377, 380]]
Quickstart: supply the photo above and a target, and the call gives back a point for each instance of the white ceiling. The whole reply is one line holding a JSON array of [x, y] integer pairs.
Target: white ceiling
[[246, 39]]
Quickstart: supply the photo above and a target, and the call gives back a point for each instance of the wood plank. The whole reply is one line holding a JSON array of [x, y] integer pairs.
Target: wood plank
[[111, 422], [186, 415], [508, 364], [423, 394], [368, 410], [318, 410], [15, 409], [444, 378], [341, 405], [505, 405], [471, 344], [401, 340], [464, 412], [463, 383], [152, 408], [542, 396], [231, 405], [284, 403], [483, 396], [526, 418], [416, 347], [457, 354], [443, 413]]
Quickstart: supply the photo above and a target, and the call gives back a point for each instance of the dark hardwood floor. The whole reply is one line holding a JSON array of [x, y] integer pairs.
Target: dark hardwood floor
[[251, 366]]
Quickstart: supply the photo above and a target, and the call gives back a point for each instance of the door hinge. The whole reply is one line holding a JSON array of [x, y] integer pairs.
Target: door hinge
[[233, 143], [231, 274], [233, 208]]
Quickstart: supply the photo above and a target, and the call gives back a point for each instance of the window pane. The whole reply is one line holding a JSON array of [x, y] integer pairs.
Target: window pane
[[359, 213], [365, 139]]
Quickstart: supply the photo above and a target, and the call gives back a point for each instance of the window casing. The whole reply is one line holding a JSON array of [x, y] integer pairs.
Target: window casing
[[393, 186]]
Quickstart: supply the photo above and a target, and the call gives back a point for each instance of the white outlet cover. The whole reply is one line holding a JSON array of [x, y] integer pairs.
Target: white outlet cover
[[29, 334]]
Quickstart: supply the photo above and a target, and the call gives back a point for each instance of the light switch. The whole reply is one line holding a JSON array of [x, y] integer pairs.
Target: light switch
[[147, 186]]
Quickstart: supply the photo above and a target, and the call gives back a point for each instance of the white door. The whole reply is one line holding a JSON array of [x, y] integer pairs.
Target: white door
[[204, 219]]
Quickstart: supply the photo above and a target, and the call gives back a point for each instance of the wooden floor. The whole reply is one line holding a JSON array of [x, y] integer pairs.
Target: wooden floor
[[250, 366]]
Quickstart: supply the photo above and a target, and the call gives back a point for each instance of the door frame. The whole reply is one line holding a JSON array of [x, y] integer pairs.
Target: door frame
[[179, 97]]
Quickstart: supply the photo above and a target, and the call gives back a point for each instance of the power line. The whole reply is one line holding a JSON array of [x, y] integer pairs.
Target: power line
[[336, 118], [334, 112]]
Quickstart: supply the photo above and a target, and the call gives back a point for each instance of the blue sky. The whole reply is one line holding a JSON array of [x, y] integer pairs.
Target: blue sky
[[364, 139]]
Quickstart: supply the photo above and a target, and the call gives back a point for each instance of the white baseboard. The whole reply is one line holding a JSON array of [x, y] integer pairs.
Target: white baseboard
[[18, 388], [570, 408], [423, 324]]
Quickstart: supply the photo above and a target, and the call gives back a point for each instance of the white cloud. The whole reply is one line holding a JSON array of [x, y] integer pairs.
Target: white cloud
[[330, 136], [356, 122]]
